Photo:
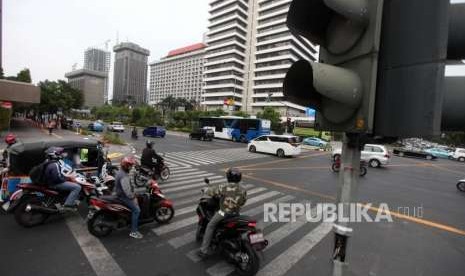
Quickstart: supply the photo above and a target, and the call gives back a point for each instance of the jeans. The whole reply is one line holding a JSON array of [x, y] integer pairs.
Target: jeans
[[74, 190], [135, 212], [207, 238]]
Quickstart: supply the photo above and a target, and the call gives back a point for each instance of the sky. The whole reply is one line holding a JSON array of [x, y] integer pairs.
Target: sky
[[49, 36]]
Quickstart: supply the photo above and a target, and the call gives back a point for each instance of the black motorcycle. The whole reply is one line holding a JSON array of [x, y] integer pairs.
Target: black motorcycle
[[134, 134], [143, 174], [236, 237]]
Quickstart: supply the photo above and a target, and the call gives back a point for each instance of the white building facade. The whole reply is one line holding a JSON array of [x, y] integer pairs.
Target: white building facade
[[249, 50], [179, 74]]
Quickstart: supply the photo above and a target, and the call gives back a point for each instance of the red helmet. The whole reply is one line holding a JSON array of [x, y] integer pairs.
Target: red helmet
[[127, 162], [10, 139]]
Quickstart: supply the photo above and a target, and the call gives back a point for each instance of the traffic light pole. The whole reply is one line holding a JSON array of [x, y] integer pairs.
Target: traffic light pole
[[348, 184]]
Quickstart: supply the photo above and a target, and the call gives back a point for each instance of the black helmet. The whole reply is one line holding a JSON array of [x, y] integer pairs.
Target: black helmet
[[149, 144], [54, 152], [234, 175]]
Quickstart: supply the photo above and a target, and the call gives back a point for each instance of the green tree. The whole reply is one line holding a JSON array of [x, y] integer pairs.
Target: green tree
[[58, 95], [241, 113], [274, 116], [24, 76], [136, 115]]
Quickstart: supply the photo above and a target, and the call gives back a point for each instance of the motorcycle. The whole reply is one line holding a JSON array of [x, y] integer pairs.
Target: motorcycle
[[236, 237], [134, 134], [32, 204], [107, 213], [143, 174], [461, 185], [336, 166]]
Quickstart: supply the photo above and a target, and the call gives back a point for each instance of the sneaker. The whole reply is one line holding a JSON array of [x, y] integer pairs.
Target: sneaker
[[136, 235], [203, 255], [70, 208]]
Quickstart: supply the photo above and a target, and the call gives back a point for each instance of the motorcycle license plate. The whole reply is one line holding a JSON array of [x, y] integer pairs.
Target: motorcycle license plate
[[256, 238]]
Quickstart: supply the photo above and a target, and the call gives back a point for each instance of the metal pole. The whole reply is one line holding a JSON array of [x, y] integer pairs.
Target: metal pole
[[348, 184]]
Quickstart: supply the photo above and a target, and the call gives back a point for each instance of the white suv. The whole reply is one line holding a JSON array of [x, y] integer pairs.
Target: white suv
[[116, 126], [375, 155], [281, 145], [459, 154]]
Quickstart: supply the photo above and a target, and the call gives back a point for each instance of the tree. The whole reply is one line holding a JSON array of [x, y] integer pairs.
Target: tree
[[24, 76], [241, 113], [274, 116], [58, 95], [136, 115]]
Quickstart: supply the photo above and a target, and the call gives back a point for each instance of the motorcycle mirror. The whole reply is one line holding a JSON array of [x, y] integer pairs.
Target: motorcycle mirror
[[207, 181]]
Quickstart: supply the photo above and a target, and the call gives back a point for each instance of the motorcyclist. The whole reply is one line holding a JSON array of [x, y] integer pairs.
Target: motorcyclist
[[55, 178], [232, 197], [134, 132], [10, 139], [125, 191], [148, 156]]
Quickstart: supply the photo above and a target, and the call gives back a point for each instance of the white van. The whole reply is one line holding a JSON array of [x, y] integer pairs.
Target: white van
[[281, 145]]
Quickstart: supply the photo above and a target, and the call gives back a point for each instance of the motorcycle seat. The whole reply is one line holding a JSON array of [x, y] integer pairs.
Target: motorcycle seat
[[237, 217], [111, 198], [39, 188]]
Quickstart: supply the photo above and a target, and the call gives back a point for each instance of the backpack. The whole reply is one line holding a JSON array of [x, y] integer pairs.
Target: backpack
[[37, 173]]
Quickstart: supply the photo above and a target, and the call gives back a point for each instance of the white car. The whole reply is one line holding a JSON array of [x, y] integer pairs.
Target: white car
[[459, 154], [375, 155], [116, 126], [281, 145]]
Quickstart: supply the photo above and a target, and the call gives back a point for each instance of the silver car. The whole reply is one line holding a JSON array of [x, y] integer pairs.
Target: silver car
[[374, 155]]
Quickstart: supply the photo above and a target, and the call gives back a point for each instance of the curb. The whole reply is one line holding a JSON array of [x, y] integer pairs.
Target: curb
[[177, 133]]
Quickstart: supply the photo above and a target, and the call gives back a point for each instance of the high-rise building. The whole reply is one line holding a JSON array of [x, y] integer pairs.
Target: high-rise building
[[98, 60], [1, 34], [249, 51], [91, 83], [179, 74], [130, 73]]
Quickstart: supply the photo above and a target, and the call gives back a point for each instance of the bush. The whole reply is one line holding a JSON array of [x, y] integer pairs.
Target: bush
[[113, 138]]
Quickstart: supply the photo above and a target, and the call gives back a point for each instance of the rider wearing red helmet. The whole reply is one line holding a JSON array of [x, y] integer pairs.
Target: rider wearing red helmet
[[125, 191], [10, 139]]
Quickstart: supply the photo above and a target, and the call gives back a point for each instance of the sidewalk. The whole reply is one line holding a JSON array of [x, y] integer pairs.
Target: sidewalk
[[27, 129]]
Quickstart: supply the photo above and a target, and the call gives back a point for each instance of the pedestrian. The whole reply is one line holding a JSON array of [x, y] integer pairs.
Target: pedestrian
[[50, 127]]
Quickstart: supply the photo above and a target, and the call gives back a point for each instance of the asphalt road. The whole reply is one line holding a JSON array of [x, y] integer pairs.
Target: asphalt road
[[431, 242]]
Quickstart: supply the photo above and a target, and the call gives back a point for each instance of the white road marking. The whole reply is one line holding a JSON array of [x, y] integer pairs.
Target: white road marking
[[99, 258]]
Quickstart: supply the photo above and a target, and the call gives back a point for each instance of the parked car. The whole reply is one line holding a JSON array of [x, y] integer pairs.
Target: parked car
[[116, 127], [154, 131], [375, 155], [95, 126], [413, 152], [459, 154], [315, 141], [440, 153], [66, 123], [204, 134], [281, 145]]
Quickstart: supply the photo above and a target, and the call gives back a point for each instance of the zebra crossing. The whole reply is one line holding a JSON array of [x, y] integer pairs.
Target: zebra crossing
[[188, 159], [184, 189]]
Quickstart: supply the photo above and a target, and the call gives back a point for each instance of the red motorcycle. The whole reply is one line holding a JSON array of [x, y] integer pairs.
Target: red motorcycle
[[336, 166], [107, 213], [32, 204]]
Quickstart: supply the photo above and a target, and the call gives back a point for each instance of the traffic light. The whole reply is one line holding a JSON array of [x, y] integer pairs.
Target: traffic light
[[419, 37], [342, 86]]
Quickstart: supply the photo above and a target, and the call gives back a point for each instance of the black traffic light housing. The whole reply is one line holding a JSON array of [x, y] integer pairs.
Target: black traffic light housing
[[342, 86]]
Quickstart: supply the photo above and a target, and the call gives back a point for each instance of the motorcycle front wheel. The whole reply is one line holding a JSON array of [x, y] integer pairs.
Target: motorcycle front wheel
[[247, 262], [96, 226], [363, 171], [335, 167], [29, 218], [164, 214], [461, 186], [165, 174]]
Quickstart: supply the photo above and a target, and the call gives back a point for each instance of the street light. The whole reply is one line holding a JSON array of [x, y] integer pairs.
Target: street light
[[287, 110]]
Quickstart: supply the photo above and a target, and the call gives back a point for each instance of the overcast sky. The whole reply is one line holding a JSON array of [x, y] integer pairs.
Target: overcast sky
[[49, 36]]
